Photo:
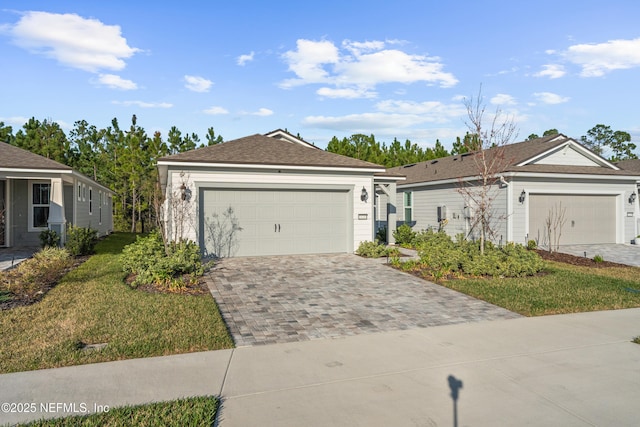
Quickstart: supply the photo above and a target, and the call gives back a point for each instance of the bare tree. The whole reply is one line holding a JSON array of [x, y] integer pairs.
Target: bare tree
[[488, 153], [554, 222], [176, 213]]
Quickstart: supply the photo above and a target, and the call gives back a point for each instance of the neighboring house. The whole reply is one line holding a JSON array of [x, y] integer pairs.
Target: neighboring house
[[286, 197], [538, 176], [633, 166], [37, 193]]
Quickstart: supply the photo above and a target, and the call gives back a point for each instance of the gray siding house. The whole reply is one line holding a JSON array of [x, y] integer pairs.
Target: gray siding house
[[37, 193], [538, 176], [287, 197]]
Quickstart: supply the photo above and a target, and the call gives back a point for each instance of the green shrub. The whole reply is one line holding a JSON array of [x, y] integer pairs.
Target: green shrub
[[369, 249], [439, 255], [81, 240], [148, 259], [49, 238], [598, 259], [404, 235], [532, 244]]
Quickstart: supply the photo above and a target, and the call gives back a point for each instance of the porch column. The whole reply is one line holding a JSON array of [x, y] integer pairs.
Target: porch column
[[390, 190], [57, 222]]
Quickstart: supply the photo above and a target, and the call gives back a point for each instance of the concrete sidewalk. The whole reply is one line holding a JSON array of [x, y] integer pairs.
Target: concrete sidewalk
[[569, 370]]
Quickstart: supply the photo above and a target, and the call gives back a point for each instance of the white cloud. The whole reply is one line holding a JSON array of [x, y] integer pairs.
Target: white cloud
[[503, 99], [550, 98], [345, 93], [86, 44], [360, 67], [243, 59], [215, 110], [143, 104], [598, 59], [307, 61], [15, 122], [197, 84], [115, 82], [361, 122], [553, 71], [430, 111], [262, 112], [391, 115]]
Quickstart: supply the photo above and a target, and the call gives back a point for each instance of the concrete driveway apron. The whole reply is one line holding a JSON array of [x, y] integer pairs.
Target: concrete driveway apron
[[267, 300]]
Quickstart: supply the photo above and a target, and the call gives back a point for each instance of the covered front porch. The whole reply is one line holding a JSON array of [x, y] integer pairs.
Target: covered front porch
[[32, 203]]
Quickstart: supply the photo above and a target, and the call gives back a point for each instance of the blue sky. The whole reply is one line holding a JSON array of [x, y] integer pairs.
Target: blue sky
[[390, 68]]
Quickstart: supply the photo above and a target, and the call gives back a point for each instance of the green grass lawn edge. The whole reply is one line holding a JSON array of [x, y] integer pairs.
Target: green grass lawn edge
[[93, 305], [191, 411], [561, 289]]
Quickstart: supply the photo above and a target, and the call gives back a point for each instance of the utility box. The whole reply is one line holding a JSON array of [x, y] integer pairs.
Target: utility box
[[442, 213], [468, 212]]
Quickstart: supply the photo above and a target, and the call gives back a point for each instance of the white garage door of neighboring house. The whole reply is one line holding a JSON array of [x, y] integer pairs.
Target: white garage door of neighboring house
[[277, 222], [589, 218]]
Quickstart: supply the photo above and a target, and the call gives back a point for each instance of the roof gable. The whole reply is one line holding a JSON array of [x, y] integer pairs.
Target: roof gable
[[569, 153], [286, 136], [267, 151]]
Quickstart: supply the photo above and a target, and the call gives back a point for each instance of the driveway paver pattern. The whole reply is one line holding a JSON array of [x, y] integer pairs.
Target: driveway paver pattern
[[268, 300], [620, 253]]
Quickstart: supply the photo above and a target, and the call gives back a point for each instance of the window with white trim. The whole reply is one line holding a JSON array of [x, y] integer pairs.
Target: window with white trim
[[79, 191], [408, 206], [90, 201], [39, 199]]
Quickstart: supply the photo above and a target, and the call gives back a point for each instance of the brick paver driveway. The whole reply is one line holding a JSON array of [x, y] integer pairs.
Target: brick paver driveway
[[268, 300]]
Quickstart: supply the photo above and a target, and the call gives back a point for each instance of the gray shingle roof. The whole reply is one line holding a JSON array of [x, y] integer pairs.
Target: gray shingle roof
[[630, 165], [13, 157], [461, 166], [262, 150]]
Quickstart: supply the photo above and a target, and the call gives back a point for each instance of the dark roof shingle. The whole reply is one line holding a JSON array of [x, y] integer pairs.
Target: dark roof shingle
[[461, 166], [13, 157], [263, 150]]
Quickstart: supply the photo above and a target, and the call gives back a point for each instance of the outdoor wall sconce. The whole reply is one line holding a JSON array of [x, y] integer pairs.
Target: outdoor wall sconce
[[632, 198], [522, 197], [183, 191], [364, 196]]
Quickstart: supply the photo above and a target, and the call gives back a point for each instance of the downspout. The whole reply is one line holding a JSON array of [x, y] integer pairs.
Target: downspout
[[504, 182]]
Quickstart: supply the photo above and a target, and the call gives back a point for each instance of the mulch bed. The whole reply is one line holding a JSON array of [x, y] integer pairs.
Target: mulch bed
[[24, 300], [576, 260]]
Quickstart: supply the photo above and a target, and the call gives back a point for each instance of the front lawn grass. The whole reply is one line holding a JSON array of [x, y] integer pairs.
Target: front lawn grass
[[93, 305], [564, 289], [193, 411]]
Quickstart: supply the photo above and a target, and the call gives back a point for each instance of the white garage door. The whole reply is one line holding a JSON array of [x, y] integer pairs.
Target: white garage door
[[274, 222], [589, 218]]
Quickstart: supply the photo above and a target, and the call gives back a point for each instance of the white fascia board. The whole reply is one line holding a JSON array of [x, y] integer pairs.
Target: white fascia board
[[187, 165], [50, 171], [377, 179], [526, 175], [440, 182], [578, 147], [571, 176]]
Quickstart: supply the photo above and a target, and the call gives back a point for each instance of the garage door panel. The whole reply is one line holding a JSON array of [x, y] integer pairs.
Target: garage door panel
[[589, 219], [282, 222]]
